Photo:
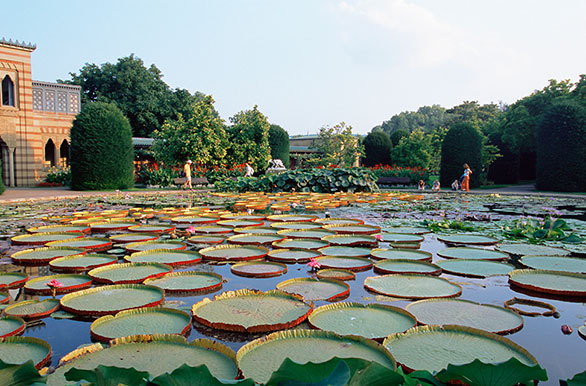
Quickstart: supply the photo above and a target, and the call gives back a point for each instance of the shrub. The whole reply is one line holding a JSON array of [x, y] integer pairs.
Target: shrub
[[2, 186], [462, 144], [377, 148], [561, 148], [397, 135], [505, 169], [279, 143], [101, 149], [58, 175], [414, 173], [165, 176]]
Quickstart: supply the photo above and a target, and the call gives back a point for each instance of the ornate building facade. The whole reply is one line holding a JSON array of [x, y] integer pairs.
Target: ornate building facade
[[35, 118]]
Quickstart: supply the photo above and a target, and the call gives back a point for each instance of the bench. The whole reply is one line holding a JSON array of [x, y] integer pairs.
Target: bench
[[194, 181], [393, 181]]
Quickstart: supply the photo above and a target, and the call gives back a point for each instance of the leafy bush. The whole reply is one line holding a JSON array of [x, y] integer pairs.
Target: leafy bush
[[249, 139], [158, 175], [2, 186], [58, 175], [377, 148], [279, 143], [164, 176], [415, 173], [462, 144], [505, 169], [561, 148], [306, 180], [397, 135], [412, 150], [101, 149]]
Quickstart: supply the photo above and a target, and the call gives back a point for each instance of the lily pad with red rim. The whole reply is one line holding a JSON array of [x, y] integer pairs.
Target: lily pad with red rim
[[292, 255], [313, 289], [152, 228], [291, 218], [338, 221], [32, 309], [261, 357], [301, 244], [475, 268], [187, 281], [42, 256], [531, 249], [150, 245], [81, 263], [467, 239], [258, 269], [342, 251], [456, 345], [406, 266], [336, 274], [255, 239], [141, 321], [305, 233], [252, 311], [555, 263], [401, 238], [69, 283], [412, 286], [4, 297], [400, 254], [90, 244], [291, 225], [205, 239], [471, 253], [59, 229], [353, 229], [111, 299], [128, 273], [349, 263], [111, 226], [125, 238], [407, 229], [44, 238], [242, 216], [195, 220], [165, 256], [11, 325], [11, 280], [212, 229], [256, 229], [486, 317], [20, 349], [233, 252], [550, 282], [352, 240], [240, 223]]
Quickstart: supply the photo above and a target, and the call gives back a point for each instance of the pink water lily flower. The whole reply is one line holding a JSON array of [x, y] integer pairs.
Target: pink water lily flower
[[313, 264], [379, 237], [191, 229], [55, 284]]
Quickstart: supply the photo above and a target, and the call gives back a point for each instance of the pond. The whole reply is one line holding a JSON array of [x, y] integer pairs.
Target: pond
[[487, 215]]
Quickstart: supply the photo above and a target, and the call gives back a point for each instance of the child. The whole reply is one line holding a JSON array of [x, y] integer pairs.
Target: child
[[455, 185], [421, 185], [436, 186]]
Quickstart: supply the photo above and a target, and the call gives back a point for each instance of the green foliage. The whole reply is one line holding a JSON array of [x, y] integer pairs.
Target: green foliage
[[511, 372], [337, 146], [426, 118], [577, 380], [249, 139], [279, 143], [415, 173], [536, 230], [504, 169], [162, 175], [20, 375], [2, 186], [305, 180], [397, 135], [561, 148], [462, 144], [201, 137], [108, 376], [59, 175], [471, 111], [439, 226], [377, 148], [101, 149], [194, 376], [158, 175], [413, 150]]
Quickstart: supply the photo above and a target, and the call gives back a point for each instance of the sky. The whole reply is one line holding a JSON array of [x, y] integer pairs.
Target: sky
[[314, 63]]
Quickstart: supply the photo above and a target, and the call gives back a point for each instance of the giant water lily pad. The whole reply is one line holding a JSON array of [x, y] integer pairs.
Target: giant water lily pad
[[252, 311], [349, 263], [212, 229], [81, 263], [305, 233], [240, 223], [90, 244], [111, 226], [550, 282], [32, 309], [372, 321], [475, 268], [352, 240], [205, 239], [165, 256], [407, 229], [70, 282], [195, 220], [291, 218], [187, 281], [257, 230], [352, 229], [312, 289], [150, 245], [108, 300], [295, 225], [412, 286], [42, 256], [471, 253], [555, 263], [155, 354], [401, 238], [128, 273], [338, 221], [406, 266], [142, 321], [466, 313], [467, 239], [11, 280], [301, 244], [59, 229], [255, 239], [125, 238], [336, 274], [258, 269], [432, 348], [11, 325], [292, 255], [152, 228], [400, 254], [20, 349], [531, 249], [261, 357], [242, 216], [234, 252], [44, 238], [345, 251]]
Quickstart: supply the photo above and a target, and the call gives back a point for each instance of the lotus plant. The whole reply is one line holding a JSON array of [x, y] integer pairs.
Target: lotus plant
[[378, 237], [313, 264], [54, 284], [191, 229]]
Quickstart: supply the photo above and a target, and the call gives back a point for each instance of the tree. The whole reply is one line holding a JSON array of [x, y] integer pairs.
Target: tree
[[279, 143], [462, 144], [249, 139], [397, 135], [377, 148], [336, 146], [413, 150], [561, 148], [101, 149], [426, 118], [201, 137]]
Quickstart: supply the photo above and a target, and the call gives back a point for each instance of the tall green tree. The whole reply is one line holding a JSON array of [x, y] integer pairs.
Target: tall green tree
[[249, 139], [279, 143], [426, 118], [462, 144], [336, 146], [377, 148], [201, 137], [413, 150]]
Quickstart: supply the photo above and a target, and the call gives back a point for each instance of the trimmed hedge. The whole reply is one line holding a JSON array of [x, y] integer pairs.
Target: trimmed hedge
[[505, 169], [101, 149], [561, 148], [305, 180], [462, 144], [377, 148], [279, 143]]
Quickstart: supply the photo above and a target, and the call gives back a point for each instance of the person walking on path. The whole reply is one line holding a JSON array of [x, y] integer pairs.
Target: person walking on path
[[187, 171], [466, 178]]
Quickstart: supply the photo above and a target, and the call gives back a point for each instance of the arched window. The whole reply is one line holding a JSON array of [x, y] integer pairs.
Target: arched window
[[64, 153], [50, 153], [7, 91]]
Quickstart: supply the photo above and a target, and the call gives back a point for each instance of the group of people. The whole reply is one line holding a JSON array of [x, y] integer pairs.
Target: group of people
[[187, 173], [462, 183]]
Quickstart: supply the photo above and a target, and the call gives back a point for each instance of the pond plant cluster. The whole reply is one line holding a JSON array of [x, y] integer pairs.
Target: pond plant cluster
[[344, 288]]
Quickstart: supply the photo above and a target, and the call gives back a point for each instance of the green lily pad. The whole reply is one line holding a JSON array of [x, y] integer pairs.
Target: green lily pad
[[240, 223], [20, 349], [550, 282], [412, 286], [11, 325], [336, 274], [242, 216], [292, 255], [125, 238], [205, 239], [471, 253], [401, 238], [452, 345], [400, 254], [11, 280], [258, 269], [291, 218], [128, 273], [187, 281], [305, 233], [111, 226], [70, 282], [312, 289], [90, 244], [300, 244], [165, 256], [338, 221], [152, 228], [410, 230], [467, 239], [81, 263], [475, 268], [233, 252], [150, 245], [341, 251], [256, 229], [255, 239], [142, 321], [42, 256], [406, 266], [531, 249], [295, 225], [555, 263], [372, 321], [349, 263], [352, 240], [466, 313], [32, 309], [212, 229], [352, 229], [44, 238], [195, 220], [252, 311], [59, 229]]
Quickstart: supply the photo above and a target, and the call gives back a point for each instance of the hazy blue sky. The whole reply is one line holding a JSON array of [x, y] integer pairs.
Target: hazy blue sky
[[310, 63]]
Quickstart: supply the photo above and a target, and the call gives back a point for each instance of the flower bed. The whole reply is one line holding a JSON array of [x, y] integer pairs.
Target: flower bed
[[414, 173]]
